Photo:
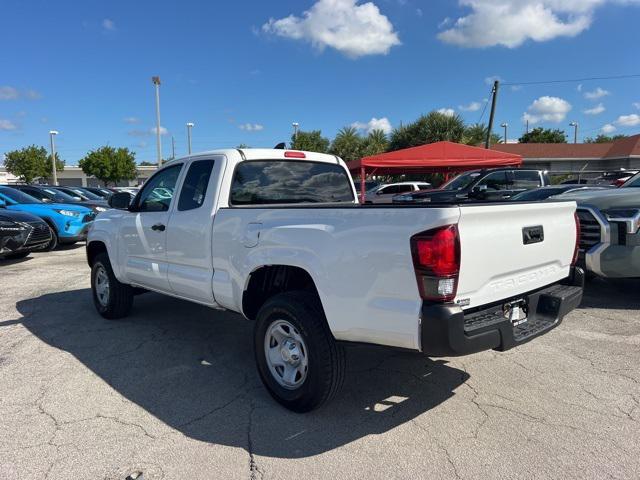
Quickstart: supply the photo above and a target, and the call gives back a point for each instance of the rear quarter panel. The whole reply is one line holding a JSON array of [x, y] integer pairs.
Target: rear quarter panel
[[358, 257]]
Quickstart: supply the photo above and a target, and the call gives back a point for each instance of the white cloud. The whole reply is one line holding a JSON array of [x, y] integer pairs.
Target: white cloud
[[637, 105], [108, 24], [9, 93], [512, 22], [374, 124], [596, 94], [631, 120], [597, 110], [608, 128], [131, 120], [7, 125], [352, 29], [547, 109], [449, 112], [163, 131], [12, 93], [251, 127], [472, 107]]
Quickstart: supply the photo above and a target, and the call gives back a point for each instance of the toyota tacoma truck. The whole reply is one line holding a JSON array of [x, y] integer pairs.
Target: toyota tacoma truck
[[279, 237]]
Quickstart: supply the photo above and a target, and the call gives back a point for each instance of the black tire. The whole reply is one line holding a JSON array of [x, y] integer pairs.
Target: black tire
[[325, 357], [53, 244], [119, 297], [16, 256]]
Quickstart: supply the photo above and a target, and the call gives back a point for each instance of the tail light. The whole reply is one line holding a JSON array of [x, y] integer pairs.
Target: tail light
[[436, 261], [576, 249], [294, 154]]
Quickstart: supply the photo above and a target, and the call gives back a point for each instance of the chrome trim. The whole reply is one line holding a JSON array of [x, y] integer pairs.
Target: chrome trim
[[633, 223], [592, 257]]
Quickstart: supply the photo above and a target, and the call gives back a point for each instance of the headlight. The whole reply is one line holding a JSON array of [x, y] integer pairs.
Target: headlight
[[101, 209], [8, 226], [68, 213]]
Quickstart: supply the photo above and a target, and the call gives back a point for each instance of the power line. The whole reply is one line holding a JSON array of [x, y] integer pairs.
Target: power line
[[586, 79], [485, 108]]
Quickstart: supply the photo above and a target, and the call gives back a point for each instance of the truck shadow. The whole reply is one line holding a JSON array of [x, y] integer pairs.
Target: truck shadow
[[193, 369]]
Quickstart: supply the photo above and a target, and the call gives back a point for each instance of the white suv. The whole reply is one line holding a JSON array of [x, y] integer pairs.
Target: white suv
[[384, 193]]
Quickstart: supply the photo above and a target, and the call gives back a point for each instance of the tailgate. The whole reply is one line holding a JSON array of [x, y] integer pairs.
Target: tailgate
[[501, 253]]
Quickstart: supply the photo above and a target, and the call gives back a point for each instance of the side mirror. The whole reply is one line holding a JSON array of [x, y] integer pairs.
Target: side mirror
[[120, 200]]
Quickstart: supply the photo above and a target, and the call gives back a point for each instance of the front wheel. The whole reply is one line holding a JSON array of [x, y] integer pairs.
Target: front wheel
[[299, 361], [111, 298]]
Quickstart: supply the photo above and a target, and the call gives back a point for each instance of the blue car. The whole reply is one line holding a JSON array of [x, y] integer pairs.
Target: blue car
[[69, 223]]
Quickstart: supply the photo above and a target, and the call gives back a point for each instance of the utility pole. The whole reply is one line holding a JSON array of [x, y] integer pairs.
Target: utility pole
[[295, 130], [496, 86], [575, 131], [527, 126], [189, 127], [156, 82], [173, 147], [505, 125], [54, 173]]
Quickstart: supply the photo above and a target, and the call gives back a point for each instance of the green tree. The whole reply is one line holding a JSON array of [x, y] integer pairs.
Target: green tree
[[430, 128], [347, 144], [374, 143], [147, 164], [604, 138], [476, 135], [31, 163], [544, 135], [110, 164], [243, 145], [312, 141]]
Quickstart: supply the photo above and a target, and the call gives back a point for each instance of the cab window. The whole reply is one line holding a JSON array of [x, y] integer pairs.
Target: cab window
[[495, 181], [158, 191], [194, 187], [526, 179]]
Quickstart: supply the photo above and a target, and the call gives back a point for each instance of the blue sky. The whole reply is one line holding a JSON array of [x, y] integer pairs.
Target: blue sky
[[243, 71]]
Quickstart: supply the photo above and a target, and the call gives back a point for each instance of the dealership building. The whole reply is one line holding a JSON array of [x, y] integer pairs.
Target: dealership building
[[575, 157], [73, 176]]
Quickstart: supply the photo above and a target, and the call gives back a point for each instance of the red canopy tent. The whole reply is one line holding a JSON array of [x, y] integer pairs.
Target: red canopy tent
[[431, 158]]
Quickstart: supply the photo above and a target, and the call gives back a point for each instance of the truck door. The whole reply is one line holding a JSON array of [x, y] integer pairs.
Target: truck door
[[189, 233], [143, 236]]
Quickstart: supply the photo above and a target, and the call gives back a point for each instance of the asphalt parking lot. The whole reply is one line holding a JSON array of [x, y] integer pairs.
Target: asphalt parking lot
[[172, 392]]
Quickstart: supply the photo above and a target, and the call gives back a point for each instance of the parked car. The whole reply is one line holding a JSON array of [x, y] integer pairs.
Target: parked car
[[384, 193], [542, 193], [21, 234], [80, 193], [49, 194], [633, 182], [277, 235], [609, 231], [68, 222], [496, 184], [104, 193]]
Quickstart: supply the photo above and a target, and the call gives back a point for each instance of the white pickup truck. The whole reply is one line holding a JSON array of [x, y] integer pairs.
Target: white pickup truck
[[278, 236]]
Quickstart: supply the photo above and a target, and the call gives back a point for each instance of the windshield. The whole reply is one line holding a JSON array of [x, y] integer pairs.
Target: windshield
[[633, 182], [59, 196], [461, 181], [17, 196], [86, 193]]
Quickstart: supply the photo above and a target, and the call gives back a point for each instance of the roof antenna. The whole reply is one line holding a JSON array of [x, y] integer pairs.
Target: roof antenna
[[280, 146]]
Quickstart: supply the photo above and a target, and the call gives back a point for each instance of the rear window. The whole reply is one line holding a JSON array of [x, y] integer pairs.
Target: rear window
[[287, 181]]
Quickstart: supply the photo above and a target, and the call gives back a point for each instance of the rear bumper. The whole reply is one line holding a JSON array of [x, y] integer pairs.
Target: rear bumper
[[447, 330]]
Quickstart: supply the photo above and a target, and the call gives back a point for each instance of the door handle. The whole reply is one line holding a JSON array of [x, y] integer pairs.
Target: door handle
[[158, 227]]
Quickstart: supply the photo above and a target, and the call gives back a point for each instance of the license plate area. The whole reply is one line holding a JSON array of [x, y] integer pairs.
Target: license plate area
[[516, 311]]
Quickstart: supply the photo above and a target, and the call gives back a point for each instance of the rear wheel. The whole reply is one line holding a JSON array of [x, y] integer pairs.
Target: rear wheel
[[111, 298], [299, 361]]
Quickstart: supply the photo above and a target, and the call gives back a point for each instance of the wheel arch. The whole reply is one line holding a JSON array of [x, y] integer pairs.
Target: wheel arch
[[269, 280]]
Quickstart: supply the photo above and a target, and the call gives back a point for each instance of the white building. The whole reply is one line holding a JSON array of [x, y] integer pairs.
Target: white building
[[72, 175]]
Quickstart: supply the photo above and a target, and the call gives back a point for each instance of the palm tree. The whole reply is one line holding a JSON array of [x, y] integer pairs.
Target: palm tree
[[430, 128], [376, 142], [347, 144]]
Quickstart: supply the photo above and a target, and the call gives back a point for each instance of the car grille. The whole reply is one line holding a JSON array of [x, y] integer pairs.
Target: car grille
[[40, 234], [590, 230]]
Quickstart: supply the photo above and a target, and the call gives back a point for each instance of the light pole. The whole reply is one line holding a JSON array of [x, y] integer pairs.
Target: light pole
[[295, 130], [505, 125], [53, 133], [156, 82], [575, 131], [189, 127]]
